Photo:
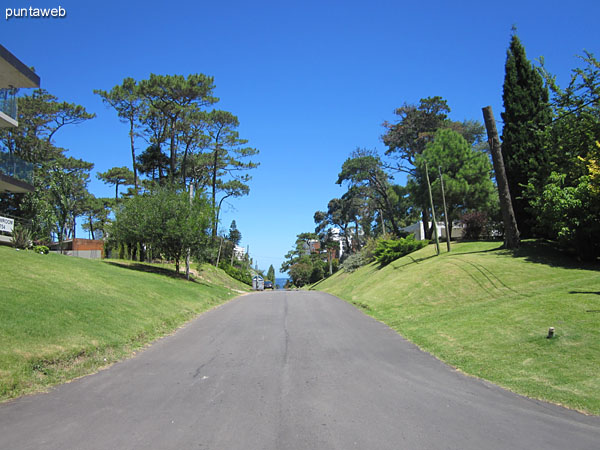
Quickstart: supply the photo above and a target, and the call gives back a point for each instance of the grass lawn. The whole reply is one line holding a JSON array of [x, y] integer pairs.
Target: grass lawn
[[62, 317], [487, 312]]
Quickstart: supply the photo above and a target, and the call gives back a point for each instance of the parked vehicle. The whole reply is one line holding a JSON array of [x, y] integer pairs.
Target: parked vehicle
[[269, 284]]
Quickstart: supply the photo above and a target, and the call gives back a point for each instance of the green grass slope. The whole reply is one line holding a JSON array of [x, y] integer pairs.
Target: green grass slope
[[487, 312], [62, 317]]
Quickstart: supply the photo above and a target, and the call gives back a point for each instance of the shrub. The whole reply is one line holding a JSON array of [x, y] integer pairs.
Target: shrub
[[388, 250], [361, 258], [239, 274], [21, 237], [476, 224], [41, 249]]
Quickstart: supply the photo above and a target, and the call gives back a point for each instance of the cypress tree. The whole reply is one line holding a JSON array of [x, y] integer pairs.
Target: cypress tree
[[526, 114]]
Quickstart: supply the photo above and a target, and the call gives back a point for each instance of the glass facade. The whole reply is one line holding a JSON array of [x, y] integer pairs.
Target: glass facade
[[15, 167], [8, 102]]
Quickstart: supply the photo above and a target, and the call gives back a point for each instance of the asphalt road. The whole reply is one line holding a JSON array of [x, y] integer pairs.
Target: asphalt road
[[287, 370]]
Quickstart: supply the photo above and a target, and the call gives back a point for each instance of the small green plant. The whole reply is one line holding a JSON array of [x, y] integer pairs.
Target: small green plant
[[41, 249], [388, 250], [361, 258], [21, 237], [237, 273]]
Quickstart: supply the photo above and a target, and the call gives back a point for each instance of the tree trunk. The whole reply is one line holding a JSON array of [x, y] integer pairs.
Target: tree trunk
[[437, 240], [214, 190], [511, 231], [131, 138], [173, 149]]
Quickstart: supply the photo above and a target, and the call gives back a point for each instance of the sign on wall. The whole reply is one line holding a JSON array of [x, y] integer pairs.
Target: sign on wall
[[7, 224]]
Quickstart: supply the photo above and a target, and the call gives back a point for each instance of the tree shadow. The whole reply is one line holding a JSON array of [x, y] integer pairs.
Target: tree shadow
[[409, 263], [138, 267], [550, 254]]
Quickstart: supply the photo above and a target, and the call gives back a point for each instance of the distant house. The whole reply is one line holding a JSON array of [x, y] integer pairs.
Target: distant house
[[239, 252], [419, 232], [83, 248]]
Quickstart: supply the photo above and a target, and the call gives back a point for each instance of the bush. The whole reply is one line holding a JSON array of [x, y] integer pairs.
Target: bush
[[21, 237], [388, 250], [41, 249], [476, 224], [239, 274], [361, 258]]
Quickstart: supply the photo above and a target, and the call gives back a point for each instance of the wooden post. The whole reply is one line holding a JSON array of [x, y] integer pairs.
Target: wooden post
[[511, 231], [437, 239], [448, 231]]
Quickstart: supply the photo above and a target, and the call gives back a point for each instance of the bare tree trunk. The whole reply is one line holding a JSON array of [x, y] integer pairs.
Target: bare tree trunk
[[437, 240], [511, 231], [132, 139]]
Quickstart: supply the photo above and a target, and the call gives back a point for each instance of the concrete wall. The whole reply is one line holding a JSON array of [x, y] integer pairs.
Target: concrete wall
[[89, 254]]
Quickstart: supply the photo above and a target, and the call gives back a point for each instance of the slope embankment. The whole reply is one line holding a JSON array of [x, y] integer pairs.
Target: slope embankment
[[63, 317], [487, 312]]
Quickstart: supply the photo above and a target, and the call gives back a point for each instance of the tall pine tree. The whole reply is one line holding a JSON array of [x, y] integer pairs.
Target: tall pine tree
[[526, 114]]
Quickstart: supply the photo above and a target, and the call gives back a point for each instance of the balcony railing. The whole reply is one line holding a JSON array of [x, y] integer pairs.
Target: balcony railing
[[8, 102], [15, 167]]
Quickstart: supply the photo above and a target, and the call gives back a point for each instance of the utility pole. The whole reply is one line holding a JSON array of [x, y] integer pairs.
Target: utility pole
[[437, 239], [511, 231], [445, 210]]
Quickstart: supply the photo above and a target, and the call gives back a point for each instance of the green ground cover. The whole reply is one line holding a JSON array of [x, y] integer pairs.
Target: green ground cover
[[62, 317], [487, 312]]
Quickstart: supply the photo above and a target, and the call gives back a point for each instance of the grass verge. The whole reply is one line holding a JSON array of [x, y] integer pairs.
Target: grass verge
[[487, 311], [63, 317]]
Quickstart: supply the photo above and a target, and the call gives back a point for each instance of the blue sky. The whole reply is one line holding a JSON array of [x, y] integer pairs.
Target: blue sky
[[310, 81]]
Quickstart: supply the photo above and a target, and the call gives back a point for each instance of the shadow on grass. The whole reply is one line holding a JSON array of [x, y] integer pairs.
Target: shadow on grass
[[411, 262], [152, 269], [549, 253], [541, 252]]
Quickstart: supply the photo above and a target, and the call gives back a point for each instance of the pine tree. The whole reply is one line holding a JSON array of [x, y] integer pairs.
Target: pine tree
[[526, 114]]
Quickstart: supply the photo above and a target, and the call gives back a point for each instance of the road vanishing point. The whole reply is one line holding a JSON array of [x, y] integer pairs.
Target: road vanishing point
[[287, 370]]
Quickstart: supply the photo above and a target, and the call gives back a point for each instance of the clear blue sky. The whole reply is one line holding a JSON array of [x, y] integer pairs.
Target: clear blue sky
[[310, 81]]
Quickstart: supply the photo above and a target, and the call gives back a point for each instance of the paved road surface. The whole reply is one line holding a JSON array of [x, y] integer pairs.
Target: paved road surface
[[287, 370]]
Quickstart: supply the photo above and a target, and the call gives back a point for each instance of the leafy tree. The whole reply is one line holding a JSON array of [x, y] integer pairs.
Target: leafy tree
[[271, 273], [228, 160], [96, 210], [526, 113], [164, 220], [415, 128], [153, 162], [41, 115], [175, 97], [234, 235], [305, 263], [568, 206], [466, 172], [127, 101], [119, 176], [365, 169]]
